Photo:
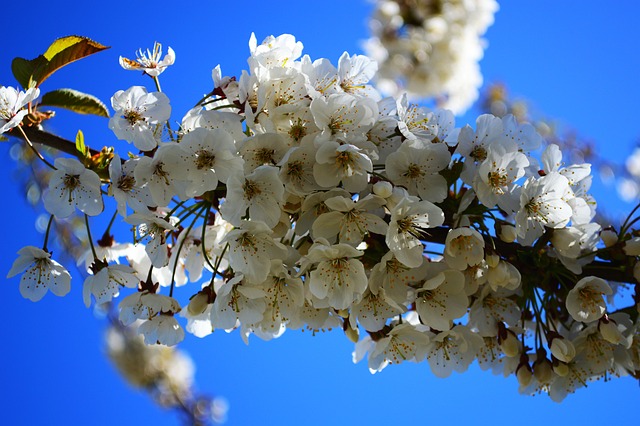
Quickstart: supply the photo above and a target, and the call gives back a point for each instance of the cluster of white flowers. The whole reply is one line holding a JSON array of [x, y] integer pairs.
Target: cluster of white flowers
[[299, 196], [165, 372], [431, 48]]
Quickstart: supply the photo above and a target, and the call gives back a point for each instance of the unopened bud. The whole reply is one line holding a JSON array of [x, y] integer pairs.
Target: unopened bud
[[507, 233], [562, 349], [632, 247], [510, 345], [561, 369], [543, 370], [352, 334], [610, 332], [524, 375], [492, 260], [383, 189], [198, 304], [609, 237]]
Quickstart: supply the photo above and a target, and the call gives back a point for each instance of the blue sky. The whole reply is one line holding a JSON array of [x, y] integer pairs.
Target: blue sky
[[575, 61]]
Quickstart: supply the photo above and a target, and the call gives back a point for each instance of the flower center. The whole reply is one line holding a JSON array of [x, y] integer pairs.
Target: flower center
[[297, 131], [413, 171], [295, 171], [265, 156], [133, 117], [71, 182], [204, 160], [251, 189], [126, 183], [479, 153]]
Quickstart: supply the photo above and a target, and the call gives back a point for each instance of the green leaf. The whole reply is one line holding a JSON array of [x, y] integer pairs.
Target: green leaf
[[61, 52], [75, 101], [23, 69], [80, 146]]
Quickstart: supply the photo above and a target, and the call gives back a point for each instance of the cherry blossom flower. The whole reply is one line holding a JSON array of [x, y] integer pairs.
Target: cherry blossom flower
[[338, 278], [144, 306], [238, 300], [373, 311], [542, 205], [490, 310], [408, 219], [125, 189], [149, 62], [346, 163], [354, 72], [165, 175], [441, 298], [261, 193], [138, 115], [405, 342], [40, 274], [464, 247], [452, 350], [273, 52], [350, 220], [72, 185], [495, 180], [417, 169], [585, 302], [105, 284], [344, 116], [12, 103], [163, 329], [155, 228], [251, 249], [210, 156]]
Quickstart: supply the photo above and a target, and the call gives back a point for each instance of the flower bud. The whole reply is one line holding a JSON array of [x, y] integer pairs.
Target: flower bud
[[492, 260], [507, 233], [383, 189], [510, 345], [610, 332], [562, 349], [561, 369], [609, 237], [524, 375], [632, 247], [352, 334], [198, 304], [543, 370]]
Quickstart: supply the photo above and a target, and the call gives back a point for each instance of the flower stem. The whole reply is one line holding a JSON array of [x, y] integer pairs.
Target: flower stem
[[46, 235], [93, 249], [35, 151]]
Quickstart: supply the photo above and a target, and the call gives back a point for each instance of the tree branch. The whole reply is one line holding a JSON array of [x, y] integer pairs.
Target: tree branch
[[516, 254], [52, 141]]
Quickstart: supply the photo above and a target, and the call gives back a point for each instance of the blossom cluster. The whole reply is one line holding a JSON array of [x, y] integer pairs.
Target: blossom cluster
[[431, 49], [298, 196]]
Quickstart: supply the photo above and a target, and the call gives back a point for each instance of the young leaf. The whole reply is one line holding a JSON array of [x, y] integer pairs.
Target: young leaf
[[61, 52], [75, 101], [80, 146]]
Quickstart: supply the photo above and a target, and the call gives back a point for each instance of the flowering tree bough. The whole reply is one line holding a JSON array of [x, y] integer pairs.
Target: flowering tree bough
[[297, 196]]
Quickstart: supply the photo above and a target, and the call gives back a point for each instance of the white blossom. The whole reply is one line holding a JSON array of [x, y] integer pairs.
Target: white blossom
[[12, 103], [408, 220], [40, 273], [72, 185], [139, 116], [585, 302], [149, 62]]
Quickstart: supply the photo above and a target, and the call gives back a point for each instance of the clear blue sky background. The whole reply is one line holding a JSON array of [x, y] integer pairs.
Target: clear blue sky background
[[577, 61]]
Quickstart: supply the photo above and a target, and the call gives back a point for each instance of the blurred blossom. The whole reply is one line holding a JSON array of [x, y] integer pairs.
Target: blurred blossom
[[430, 49], [628, 189]]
